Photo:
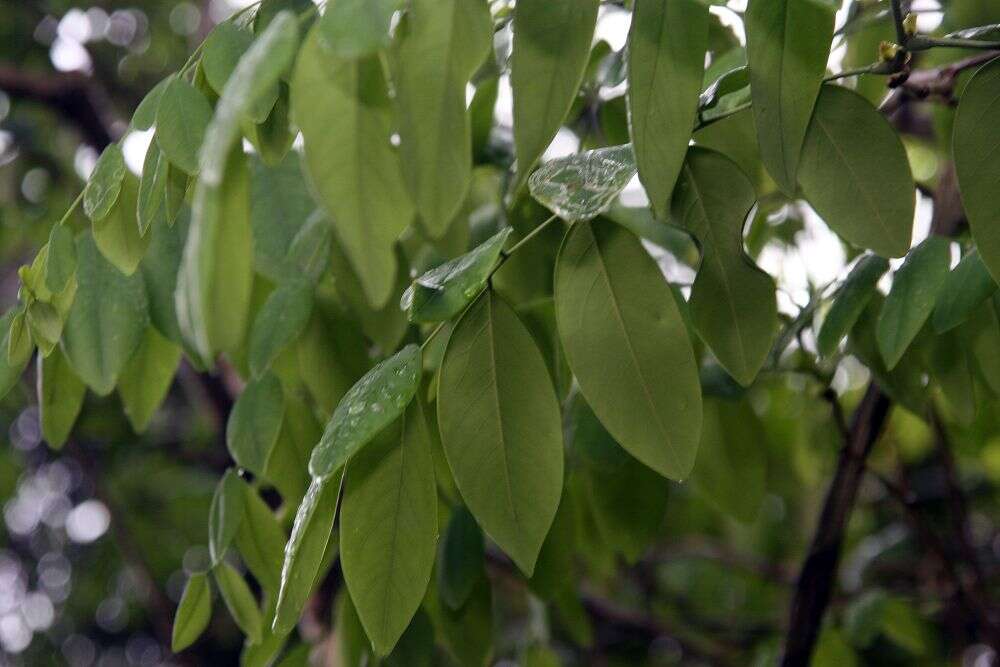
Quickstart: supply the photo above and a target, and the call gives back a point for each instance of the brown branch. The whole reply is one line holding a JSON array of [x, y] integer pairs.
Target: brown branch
[[75, 97], [815, 583], [935, 83]]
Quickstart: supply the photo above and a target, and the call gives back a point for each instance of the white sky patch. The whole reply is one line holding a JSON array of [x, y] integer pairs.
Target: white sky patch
[[134, 148]]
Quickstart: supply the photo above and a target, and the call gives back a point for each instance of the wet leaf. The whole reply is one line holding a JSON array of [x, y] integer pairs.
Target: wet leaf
[[583, 186]]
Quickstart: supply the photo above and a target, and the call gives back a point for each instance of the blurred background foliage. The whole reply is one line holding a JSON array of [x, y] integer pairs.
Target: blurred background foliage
[[97, 540]]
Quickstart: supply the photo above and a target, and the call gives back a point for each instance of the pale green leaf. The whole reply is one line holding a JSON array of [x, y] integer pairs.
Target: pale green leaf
[[733, 305], [389, 527], [107, 320], [440, 44], [60, 397], [855, 173], [105, 183], [446, 290], [254, 423], [19, 344], [500, 427], [628, 346], [915, 287], [225, 515], [181, 119], [788, 44], [118, 235], [849, 302], [967, 286], [666, 63], [240, 601], [151, 200], [60, 259], [281, 207], [552, 41], [147, 377], [372, 403], [10, 369], [582, 186], [309, 250], [352, 29], [145, 114], [279, 322], [343, 108], [193, 613], [260, 541]]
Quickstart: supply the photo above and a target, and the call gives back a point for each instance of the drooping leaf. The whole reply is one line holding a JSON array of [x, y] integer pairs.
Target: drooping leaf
[[107, 320], [353, 29], [309, 251], [216, 274], [260, 541], [60, 397], [159, 269], [667, 44], [145, 113], [499, 422], [10, 368], [552, 41], [240, 601], [915, 287], [628, 347], [225, 515], [967, 286], [974, 146], [221, 51], [343, 107], [854, 172], [445, 290], [440, 45], [304, 551], [583, 186], [280, 321], [269, 9], [19, 343], [117, 234], [374, 402], [461, 556], [788, 44], [389, 528], [146, 378], [732, 302], [151, 199], [255, 77], [849, 302], [280, 208], [45, 324], [193, 613], [60, 260], [332, 356], [255, 422], [105, 183], [181, 119]]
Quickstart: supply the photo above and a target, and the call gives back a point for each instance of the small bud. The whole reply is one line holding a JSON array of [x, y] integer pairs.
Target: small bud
[[887, 51], [910, 24]]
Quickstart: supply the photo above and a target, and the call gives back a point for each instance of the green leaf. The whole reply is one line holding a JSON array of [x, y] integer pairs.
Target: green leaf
[[118, 235], [332, 355], [731, 470], [788, 44], [216, 275], [225, 515], [269, 9], [60, 397], [45, 325], [967, 286], [446, 290], [255, 422], [240, 601], [974, 146], [309, 251], [440, 44], [281, 207], [181, 119], [732, 302], [151, 199], [105, 183], [19, 344], [343, 108], [255, 77], [147, 377], [260, 541], [666, 63], [145, 114], [849, 302], [159, 269], [279, 323], [352, 29], [500, 427], [582, 186], [193, 613], [915, 287], [854, 172], [304, 551], [628, 346], [467, 633], [461, 559], [374, 402], [60, 259], [389, 527], [221, 51], [10, 368], [552, 41], [107, 320]]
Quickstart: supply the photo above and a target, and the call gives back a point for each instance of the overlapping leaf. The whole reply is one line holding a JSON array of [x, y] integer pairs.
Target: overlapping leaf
[[581, 187]]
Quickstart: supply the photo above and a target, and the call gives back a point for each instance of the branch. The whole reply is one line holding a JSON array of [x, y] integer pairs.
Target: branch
[[938, 82], [75, 97], [815, 582]]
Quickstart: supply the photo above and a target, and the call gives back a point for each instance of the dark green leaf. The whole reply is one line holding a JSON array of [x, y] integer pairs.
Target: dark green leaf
[[628, 346], [225, 515], [193, 613], [460, 559], [373, 403], [499, 421], [147, 377], [60, 397], [967, 286], [849, 302], [666, 63], [255, 422], [159, 269]]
